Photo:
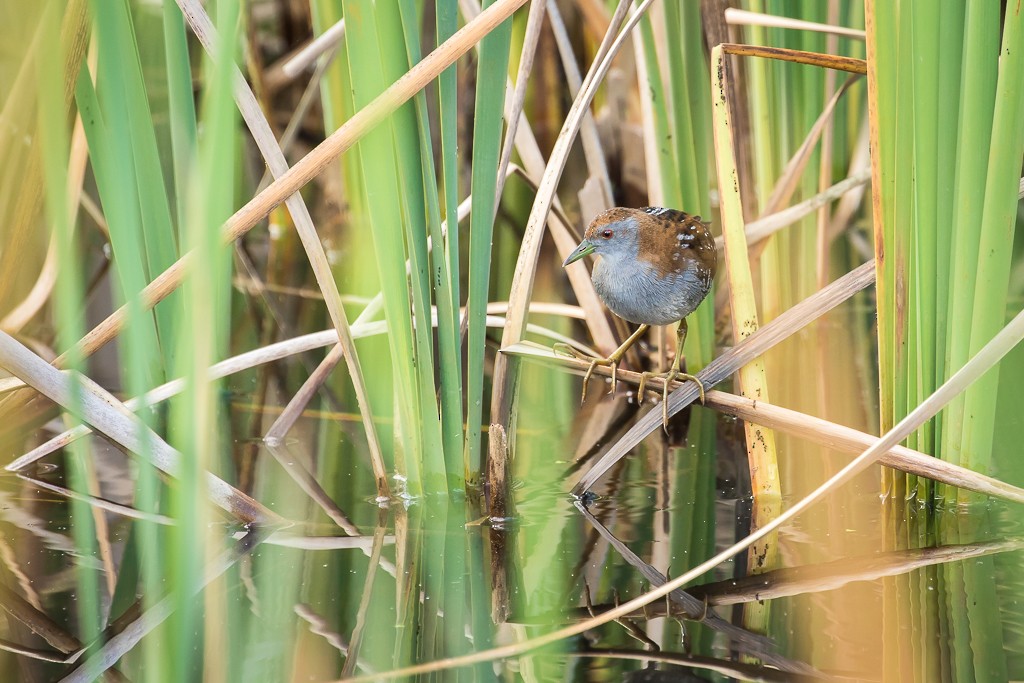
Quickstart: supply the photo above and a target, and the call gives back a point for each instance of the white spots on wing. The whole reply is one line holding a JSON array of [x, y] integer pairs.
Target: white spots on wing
[[656, 210]]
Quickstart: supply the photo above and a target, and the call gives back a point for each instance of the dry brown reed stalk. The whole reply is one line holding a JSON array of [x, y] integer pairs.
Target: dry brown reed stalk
[[593, 150], [305, 57], [837, 62], [850, 203], [766, 226], [298, 402], [792, 173]]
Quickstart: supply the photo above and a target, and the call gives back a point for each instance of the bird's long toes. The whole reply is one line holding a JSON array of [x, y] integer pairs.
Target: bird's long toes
[[563, 349], [586, 380], [664, 400], [700, 387]]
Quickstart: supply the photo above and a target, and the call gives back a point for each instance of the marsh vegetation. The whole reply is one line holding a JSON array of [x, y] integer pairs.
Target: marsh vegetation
[[280, 282]]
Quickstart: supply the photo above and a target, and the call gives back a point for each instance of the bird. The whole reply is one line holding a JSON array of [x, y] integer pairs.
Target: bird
[[656, 265]]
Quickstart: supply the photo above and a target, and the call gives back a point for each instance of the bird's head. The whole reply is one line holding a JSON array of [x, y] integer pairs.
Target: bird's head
[[612, 234]]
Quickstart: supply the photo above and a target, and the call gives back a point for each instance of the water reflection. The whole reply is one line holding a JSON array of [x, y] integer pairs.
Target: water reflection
[[871, 588]]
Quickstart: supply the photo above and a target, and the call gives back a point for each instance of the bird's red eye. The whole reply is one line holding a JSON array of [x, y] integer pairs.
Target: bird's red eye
[[606, 234]]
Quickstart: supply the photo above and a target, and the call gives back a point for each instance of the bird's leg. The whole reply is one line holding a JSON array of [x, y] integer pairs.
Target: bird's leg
[[672, 374], [675, 374], [612, 360]]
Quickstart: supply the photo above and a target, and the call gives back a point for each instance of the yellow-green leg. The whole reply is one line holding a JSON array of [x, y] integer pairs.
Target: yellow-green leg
[[612, 360], [672, 374]]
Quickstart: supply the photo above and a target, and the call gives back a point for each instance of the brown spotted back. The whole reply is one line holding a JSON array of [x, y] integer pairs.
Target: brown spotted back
[[669, 239]]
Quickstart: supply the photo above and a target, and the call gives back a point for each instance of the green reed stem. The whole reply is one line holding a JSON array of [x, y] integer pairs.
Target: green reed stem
[[440, 276], [487, 125]]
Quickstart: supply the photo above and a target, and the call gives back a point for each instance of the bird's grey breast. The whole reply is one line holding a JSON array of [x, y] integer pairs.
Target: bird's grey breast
[[634, 290]]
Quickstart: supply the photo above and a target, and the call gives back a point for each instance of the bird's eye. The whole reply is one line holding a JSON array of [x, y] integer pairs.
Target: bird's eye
[[606, 234]]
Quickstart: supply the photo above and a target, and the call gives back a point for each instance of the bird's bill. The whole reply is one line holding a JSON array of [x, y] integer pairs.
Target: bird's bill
[[579, 252]]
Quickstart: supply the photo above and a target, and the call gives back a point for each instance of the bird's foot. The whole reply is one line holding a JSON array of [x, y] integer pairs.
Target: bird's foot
[[566, 350], [604, 362], [668, 377]]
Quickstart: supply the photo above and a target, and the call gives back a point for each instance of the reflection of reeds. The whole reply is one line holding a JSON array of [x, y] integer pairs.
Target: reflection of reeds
[[832, 575]]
